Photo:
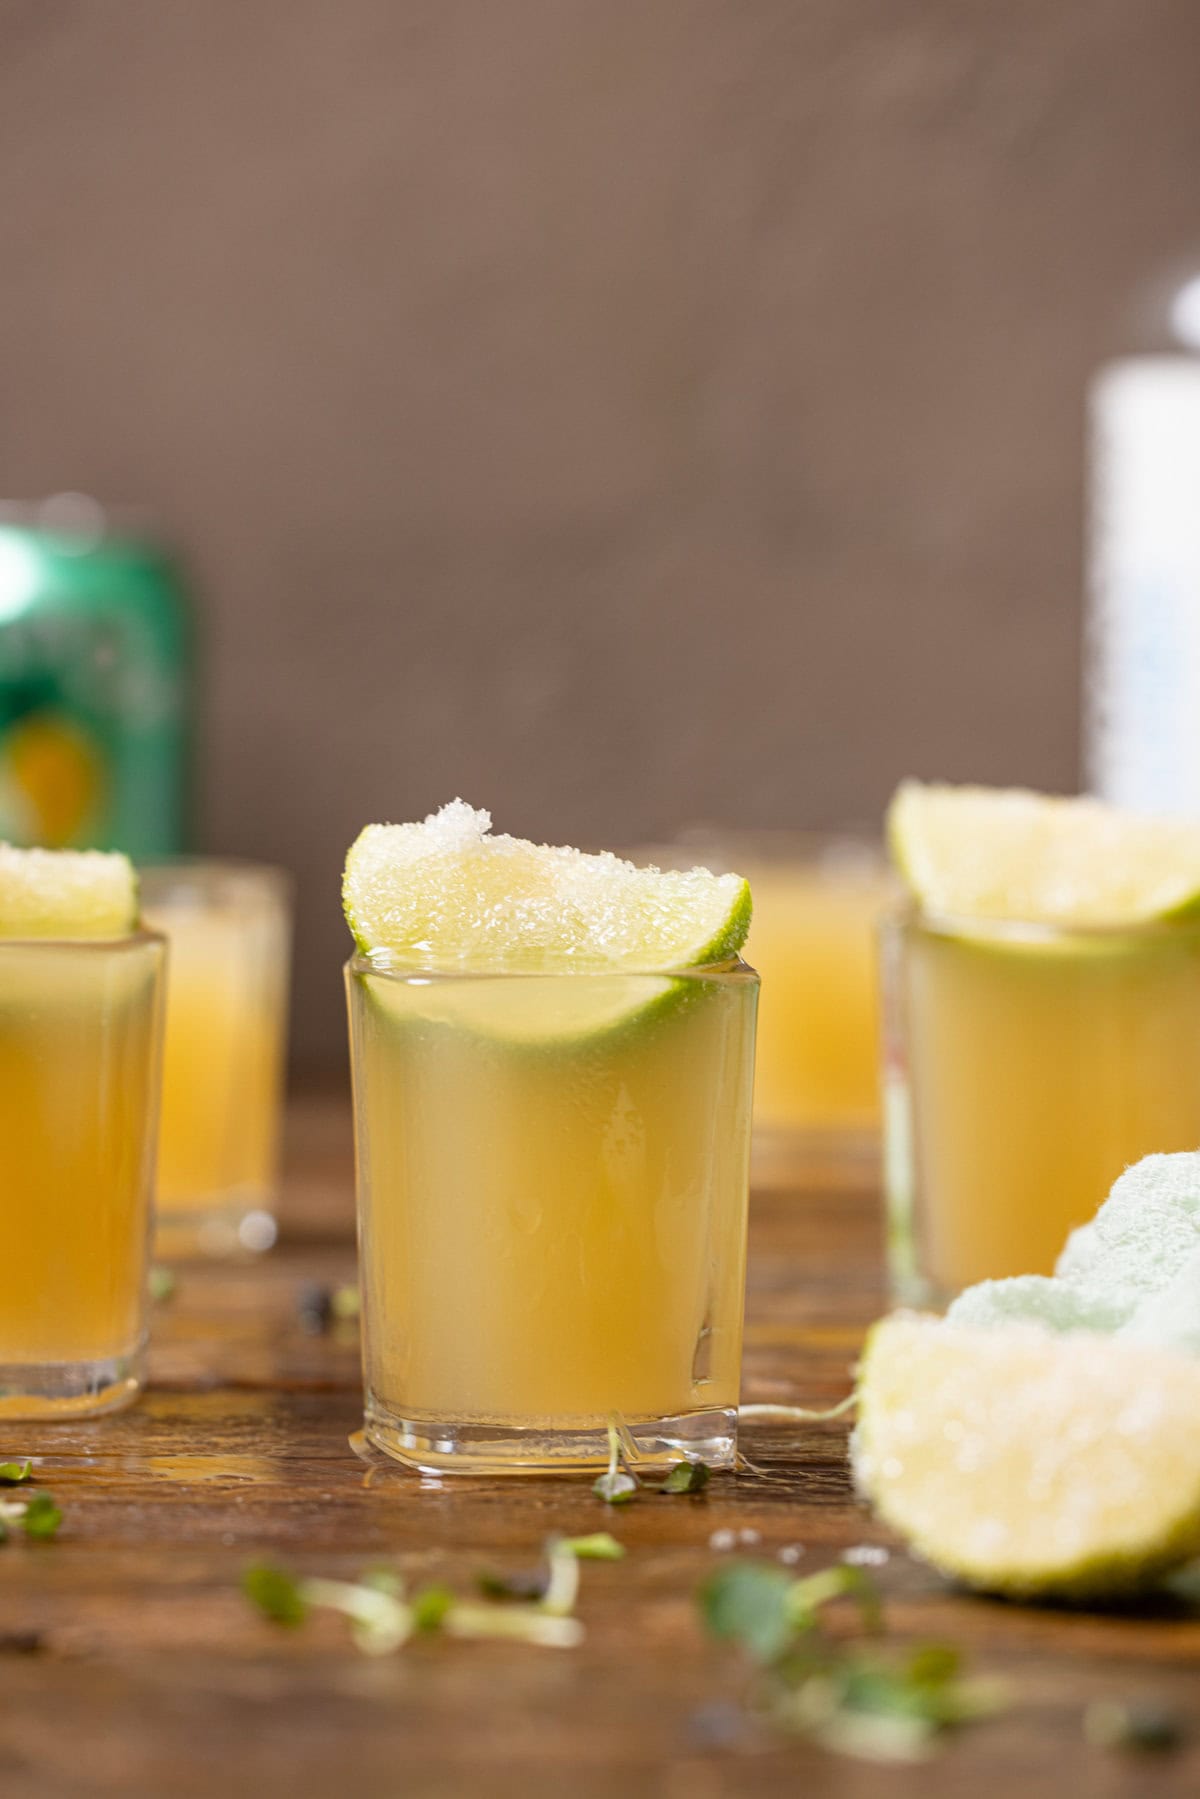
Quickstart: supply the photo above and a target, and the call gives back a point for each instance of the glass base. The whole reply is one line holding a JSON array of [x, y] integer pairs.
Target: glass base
[[188, 1233], [486, 1447], [70, 1389]]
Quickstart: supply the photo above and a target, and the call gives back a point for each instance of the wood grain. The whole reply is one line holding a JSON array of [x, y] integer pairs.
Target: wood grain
[[130, 1664]]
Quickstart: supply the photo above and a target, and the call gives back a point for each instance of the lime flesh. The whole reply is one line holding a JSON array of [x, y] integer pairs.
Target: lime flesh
[[1028, 1463], [996, 853], [66, 893]]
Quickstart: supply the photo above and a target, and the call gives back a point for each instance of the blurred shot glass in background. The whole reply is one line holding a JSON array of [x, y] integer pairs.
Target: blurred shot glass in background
[[79, 1065], [228, 927], [818, 900]]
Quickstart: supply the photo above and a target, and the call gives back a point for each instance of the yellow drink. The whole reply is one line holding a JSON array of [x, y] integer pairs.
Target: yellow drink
[[223, 1052], [552, 1176], [1030, 1066], [813, 941], [79, 1043]]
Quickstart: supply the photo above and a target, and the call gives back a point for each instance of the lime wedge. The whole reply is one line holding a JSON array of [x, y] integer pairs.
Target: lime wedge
[[446, 895], [1029, 1463], [66, 893], [984, 852]]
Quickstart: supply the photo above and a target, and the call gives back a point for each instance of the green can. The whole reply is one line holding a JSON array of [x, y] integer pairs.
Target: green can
[[95, 656]]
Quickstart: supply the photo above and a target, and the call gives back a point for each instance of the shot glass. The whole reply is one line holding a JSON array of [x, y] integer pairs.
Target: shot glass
[[228, 926], [1026, 1067], [80, 1043], [552, 1191]]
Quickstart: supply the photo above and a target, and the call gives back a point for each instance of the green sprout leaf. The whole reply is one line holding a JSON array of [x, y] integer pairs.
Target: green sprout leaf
[[42, 1517], [13, 1473], [687, 1477], [430, 1606], [162, 1284], [598, 1547], [615, 1488], [748, 1603], [275, 1593]]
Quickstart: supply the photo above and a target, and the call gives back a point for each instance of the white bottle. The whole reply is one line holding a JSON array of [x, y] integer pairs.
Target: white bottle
[[1142, 700]]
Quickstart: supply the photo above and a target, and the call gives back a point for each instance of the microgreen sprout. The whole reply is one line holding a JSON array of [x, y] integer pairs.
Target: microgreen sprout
[[13, 1473], [615, 1486], [383, 1617], [843, 1694]]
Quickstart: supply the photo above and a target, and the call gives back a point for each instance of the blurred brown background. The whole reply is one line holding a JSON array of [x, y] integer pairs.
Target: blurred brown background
[[621, 412]]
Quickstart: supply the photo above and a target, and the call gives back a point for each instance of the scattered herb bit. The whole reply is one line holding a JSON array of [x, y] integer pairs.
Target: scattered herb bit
[[37, 1515], [1139, 1726], [13, 1473], [275, 1593], [162, 1284], [839, 1693], [687, 1477], [42, 1517], [599, 1547]]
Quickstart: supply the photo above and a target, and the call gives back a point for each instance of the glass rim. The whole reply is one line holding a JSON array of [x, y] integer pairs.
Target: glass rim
[[734, 968], [166, 870], [1033, 930], [142, 936]]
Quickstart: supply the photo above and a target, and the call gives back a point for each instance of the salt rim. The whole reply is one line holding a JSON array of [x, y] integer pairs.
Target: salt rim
[[66, 893]]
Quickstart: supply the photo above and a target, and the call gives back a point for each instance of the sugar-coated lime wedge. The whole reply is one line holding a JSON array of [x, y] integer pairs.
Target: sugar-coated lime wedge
[[447, 895], [985, 852], [66, 893], [1030, 1463]]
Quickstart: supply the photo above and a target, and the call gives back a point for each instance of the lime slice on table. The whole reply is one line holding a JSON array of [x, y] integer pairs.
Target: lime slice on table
[[447, 898], [66, 893], [997, 853], [1029, 1463]]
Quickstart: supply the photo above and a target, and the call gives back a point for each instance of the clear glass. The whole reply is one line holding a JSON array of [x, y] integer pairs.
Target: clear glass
[[229, 929], [1026, 1067], [80, 1041], [552, 1189], [818, 900]]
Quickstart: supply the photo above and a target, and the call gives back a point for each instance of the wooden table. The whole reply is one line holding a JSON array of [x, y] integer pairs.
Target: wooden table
[[130, 1663]]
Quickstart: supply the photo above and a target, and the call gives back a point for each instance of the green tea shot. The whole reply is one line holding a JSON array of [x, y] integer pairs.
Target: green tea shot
[[553, 1063]]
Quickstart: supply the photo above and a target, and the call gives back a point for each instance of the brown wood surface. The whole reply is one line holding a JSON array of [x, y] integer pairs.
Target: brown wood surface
[[152, 1676]]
